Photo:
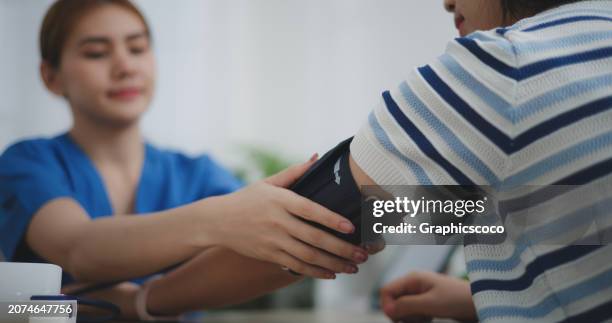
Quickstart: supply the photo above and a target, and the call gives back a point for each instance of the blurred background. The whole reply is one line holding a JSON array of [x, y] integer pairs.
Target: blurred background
[[296, 76], [258, 84]]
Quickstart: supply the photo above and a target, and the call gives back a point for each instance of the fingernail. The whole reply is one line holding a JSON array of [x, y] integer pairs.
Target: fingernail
[[360, 256], [388, 309], [347, 227], [330, 276], [314, 157], [350, 269]]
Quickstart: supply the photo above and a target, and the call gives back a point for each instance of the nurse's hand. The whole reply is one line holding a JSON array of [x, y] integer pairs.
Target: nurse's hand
[[261, 221]]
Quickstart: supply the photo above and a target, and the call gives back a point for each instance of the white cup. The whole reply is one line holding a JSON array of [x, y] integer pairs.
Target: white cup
[[19, 281]]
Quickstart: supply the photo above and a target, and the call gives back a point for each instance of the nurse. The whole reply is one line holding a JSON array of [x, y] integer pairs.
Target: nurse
[[107, 206]]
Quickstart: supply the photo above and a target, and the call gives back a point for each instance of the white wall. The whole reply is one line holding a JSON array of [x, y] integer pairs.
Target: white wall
[[293, 75], [296, 76]]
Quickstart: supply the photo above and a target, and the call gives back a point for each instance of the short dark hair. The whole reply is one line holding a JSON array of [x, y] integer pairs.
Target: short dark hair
[[525, 8]]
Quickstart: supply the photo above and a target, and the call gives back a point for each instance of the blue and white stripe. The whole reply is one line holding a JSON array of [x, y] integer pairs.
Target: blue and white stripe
[[530, 104]]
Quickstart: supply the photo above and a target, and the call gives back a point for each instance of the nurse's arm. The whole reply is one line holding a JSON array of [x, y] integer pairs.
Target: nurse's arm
[[258, 221], [115, 247], [215, 278]]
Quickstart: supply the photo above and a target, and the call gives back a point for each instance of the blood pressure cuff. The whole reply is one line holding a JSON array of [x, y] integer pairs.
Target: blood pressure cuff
[[330, 183]]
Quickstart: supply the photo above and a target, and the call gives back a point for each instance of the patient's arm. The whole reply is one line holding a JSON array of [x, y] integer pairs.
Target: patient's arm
[[361, 178], [420, 296]]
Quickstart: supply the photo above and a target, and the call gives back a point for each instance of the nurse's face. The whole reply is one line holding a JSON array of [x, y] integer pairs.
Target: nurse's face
[[472, 15], [107, 69]]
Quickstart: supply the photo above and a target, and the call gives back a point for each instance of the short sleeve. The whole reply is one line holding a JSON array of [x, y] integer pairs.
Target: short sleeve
[[215, 179], [448, 122], [186, 179], [29, 178]]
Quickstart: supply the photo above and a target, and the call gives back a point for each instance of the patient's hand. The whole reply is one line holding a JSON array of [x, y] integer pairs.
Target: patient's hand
[[421, 296]]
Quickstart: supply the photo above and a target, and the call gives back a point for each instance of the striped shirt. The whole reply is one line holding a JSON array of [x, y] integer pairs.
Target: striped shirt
[[529, 104]]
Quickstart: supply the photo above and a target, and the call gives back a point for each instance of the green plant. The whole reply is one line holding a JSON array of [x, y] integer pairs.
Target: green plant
[[260, 163]]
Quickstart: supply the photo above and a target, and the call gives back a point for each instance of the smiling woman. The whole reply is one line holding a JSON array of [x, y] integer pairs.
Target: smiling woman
[[74, 43], [60, 21], [111, 209]]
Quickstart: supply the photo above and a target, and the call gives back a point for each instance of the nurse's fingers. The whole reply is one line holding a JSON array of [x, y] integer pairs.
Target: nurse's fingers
[[318, 257], [325, 241], [314, 212], [290, 175], [375, 246], [300, 267]]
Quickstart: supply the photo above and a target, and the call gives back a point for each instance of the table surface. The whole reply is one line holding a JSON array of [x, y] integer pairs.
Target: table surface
[[293, 316]]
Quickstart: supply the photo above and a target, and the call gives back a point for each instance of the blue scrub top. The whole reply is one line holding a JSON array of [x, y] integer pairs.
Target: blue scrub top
[[34, 172]]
